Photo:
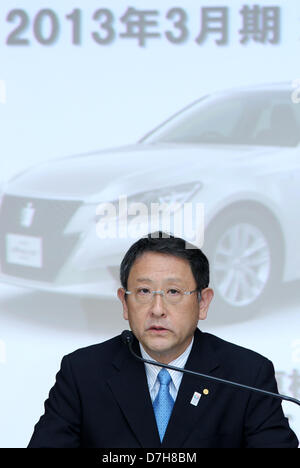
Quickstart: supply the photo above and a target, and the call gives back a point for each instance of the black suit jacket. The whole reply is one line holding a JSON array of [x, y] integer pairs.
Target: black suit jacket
[[101, 399]]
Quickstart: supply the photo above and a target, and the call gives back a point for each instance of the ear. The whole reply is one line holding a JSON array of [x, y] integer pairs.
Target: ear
[[121, 296], [206, 297]]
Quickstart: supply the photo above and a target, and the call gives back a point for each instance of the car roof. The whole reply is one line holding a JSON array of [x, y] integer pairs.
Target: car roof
[[276, 86]]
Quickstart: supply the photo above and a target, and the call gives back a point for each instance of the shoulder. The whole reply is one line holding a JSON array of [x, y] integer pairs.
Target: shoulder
[[96, 355], [236, 358], [231, 349]]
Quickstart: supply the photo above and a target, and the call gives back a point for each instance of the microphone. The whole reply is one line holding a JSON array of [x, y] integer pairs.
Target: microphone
[[127, 338]]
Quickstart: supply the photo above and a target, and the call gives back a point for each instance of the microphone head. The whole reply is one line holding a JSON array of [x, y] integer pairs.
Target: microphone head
[[127, 337]]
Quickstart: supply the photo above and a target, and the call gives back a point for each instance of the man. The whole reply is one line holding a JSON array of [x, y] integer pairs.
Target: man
[[104, 397]]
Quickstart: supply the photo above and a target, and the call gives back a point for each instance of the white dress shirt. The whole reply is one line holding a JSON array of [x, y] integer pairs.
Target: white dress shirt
[[176, 376]]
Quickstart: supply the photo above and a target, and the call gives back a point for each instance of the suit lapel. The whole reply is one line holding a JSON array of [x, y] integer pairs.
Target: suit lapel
[[185, 416], [130, 388]]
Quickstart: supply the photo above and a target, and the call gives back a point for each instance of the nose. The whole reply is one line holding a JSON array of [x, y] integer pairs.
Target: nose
[[158, 305]]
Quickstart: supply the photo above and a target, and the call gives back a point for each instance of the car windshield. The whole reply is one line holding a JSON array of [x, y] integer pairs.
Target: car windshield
[[244, 118]]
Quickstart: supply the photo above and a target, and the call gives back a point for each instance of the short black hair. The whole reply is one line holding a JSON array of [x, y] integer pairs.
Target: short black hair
[[165, 243]]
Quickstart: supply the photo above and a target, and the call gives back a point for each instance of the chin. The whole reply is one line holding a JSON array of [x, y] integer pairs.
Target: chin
[[158, 345]]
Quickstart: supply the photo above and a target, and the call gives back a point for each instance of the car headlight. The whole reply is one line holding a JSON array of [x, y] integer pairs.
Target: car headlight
[[89, 214], [165, 198], [176, 194]]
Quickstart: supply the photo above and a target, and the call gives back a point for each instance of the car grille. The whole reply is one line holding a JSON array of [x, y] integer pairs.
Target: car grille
[[45, 227]]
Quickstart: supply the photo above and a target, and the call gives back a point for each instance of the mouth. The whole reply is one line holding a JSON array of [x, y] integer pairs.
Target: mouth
[[156, 329]]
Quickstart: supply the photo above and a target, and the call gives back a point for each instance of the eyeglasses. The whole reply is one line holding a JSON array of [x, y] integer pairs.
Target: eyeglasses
[[144, 295]]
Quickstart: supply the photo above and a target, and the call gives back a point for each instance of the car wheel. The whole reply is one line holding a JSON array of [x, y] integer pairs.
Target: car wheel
[[245, 254]]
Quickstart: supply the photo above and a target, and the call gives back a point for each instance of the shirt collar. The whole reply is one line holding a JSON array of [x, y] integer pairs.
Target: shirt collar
[[152, 371]]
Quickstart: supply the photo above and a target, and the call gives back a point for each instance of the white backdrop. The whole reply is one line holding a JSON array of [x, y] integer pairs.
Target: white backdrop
[[73, 95]]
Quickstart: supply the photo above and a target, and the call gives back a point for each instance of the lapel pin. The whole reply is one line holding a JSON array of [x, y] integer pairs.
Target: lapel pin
[[195, 400], [205, 391]]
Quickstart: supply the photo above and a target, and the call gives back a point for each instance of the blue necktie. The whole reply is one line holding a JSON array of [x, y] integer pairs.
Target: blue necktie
[[163, 403]]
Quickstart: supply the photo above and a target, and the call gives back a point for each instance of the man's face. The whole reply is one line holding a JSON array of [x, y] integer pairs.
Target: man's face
[[165, 330]]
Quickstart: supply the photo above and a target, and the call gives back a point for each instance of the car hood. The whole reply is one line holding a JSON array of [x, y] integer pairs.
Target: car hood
[[132, 169]]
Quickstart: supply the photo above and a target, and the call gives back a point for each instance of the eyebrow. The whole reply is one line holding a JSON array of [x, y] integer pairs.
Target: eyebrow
[[172, 278]]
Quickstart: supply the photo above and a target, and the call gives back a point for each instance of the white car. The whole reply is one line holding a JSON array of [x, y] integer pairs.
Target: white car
[[236, 152]]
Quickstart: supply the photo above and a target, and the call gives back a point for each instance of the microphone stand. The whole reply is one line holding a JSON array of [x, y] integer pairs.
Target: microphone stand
[[127, 337]]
